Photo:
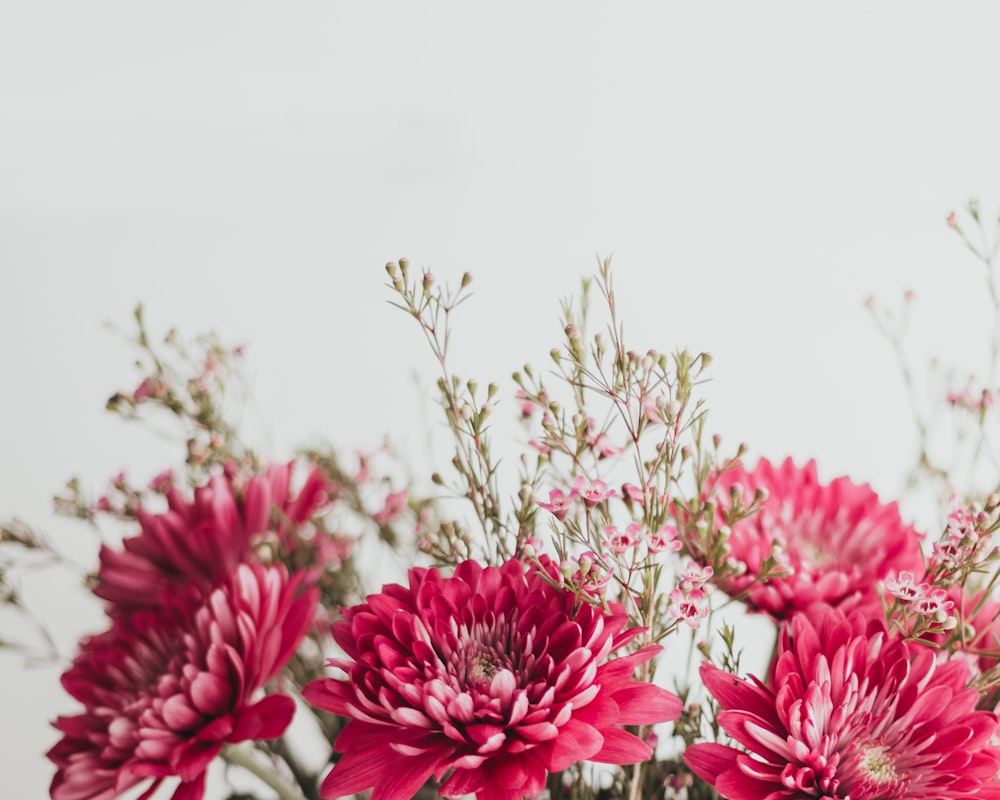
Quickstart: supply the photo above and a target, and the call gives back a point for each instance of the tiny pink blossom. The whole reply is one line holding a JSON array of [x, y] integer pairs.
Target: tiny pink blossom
[[590, 577], [664, 539], [541, 447], [690, 607], [163, 482], [395, 505], [592, 492], [559, 503], [634, 494], [694, 577], [150, 387], [654, 414], [526, 405], [934, 604], [531, 548], [905, 587], [599, 441], [621, 541]]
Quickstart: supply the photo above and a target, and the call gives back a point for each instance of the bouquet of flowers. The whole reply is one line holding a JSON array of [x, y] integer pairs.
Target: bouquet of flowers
[[571, 622]]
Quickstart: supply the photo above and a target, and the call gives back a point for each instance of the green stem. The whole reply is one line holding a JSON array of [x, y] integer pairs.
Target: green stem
[[243, 757]]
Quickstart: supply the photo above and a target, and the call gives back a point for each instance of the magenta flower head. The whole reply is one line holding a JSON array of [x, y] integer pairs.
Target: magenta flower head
[[854, 712], [164, 690], [834, 542], [196, 544], [486, 680]]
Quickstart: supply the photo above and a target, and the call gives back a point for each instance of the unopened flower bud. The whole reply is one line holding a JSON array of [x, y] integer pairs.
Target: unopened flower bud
[[392, 269], [428, 282], [466, 411], [491, 390], [466, 279], [404, 266], [472, 385]]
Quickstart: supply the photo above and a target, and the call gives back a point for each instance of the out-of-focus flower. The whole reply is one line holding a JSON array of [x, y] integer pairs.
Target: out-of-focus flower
[[525, 404], [835, 541], [486, 680], [853, 712], [599, 441], [633, 494], [163, 690], [395, 504], [197, 543]]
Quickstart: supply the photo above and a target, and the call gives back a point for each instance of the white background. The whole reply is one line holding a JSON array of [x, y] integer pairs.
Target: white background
[[755, 169]]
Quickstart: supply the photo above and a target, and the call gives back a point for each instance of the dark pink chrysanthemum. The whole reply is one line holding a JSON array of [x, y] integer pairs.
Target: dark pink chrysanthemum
[[164, 690], [853, 713], [197, 544], [835, 542], [492, 677]]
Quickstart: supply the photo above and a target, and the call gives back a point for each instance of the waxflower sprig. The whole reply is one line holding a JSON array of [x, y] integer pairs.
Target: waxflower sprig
[[610, 414], [958, 431], [467, 415], [219, 598]]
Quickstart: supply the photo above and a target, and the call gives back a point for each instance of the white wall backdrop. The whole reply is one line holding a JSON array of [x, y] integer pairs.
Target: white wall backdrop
[[755, 169]]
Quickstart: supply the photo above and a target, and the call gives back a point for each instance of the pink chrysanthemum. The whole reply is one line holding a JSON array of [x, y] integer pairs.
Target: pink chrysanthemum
[[492, 677], [853, 713], [164, 690], [197, 544], [834, 542]]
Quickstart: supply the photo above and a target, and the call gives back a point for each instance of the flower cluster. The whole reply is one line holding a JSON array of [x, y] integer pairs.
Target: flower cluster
[[201, 622], [164, 690], [518, 659]]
